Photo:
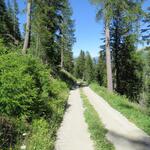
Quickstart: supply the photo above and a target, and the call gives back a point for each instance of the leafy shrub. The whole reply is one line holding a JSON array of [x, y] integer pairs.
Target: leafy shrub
[[3, 49], [59, 105], [43, 133], [28, 89], [25, 86], [40, 137]]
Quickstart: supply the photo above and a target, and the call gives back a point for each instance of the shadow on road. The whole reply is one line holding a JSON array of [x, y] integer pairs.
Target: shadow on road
[[142, 143]]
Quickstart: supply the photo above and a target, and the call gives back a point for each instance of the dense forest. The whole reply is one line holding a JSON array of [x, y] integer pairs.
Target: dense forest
[[37, 67]]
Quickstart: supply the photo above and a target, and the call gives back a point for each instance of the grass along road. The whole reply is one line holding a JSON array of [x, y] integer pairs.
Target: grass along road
[[130, 110]]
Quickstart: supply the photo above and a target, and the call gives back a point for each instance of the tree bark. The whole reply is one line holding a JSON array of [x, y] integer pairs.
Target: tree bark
[[108, 58], [28, 25], [62, 55]]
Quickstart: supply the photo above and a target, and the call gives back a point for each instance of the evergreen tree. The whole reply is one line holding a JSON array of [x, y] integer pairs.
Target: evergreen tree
[[5, 24], [14, 31], [105, 8], [130, 70], [146, 77], [68, 61], [127, 68], [146, 31], [89, 68], [67, 38], [52, 30], [101, 70], [80, 66]]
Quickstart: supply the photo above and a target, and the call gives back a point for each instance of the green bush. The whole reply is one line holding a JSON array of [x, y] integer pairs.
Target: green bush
[[25, 86], [59, 100], [40, 137], [43, 134], [27, 89], [3, 49]]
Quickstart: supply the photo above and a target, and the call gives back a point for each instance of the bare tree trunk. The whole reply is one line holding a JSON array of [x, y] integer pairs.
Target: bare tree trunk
[[28, 24], [108, 58], [62, 59], [62, 55], [14, 26]]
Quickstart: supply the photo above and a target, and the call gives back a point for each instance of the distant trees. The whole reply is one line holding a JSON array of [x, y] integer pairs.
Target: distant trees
[[80, 66], [89, 68], [84, 67]]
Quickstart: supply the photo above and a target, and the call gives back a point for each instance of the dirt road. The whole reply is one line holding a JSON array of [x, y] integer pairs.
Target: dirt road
[[122, 133], [73, 133]]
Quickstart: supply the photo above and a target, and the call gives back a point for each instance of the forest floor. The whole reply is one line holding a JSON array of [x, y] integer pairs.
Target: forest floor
[[73, 133]]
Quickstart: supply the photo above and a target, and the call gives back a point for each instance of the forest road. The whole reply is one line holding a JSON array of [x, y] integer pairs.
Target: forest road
[[73, 133], [121, 132]]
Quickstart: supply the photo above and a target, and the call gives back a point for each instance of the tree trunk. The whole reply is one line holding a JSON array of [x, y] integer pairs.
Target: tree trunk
[[28, 24], [108, 58], [62, 55]]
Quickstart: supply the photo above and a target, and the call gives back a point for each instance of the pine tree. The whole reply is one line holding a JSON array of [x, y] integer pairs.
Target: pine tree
[[89, 68], [80, 66], [13, 25], [146, 31], [130, 70], [5, 23], [67, 38], [127, 68], [148, 79], [16, 29], [101, 70], [146, 37], [106, 9], [46, 30]]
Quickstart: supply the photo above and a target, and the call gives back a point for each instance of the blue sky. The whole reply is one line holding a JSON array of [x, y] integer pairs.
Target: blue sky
[[88, 31]]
